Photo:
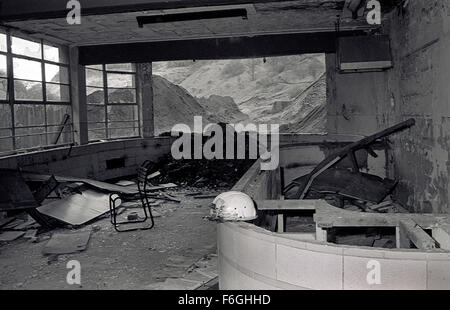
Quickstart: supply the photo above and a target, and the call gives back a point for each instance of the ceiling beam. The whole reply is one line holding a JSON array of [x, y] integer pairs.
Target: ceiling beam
[[218, 48], [17, 10]]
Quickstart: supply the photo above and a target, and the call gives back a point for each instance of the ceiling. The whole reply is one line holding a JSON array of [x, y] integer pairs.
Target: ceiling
[[264, 17]]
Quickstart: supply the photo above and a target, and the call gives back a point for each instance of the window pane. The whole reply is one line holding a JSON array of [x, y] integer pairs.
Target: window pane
[[123, 130], [65, 137], [56, 74], [94, 78], [25, 47], [128, 67], [57, 92], [29, 115], [96, 131], [96, 113], [56, 114], [24, 90], [27, 69], [6, 144], [3, 47], [3, 67], [31, 137], [51, 53], [120, 80], [122, 95], [122, 113], [3, 89], [5, 116], [95, 95]]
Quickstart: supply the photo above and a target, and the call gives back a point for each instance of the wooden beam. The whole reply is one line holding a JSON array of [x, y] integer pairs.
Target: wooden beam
[[216, 48], [329, 216], [442, 235], [285, 205], [415, 233]]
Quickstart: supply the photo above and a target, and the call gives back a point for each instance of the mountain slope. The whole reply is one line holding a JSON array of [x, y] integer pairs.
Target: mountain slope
[[174, 105], [256, 85]]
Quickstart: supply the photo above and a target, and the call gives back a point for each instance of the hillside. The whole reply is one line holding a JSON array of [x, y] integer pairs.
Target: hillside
[[223, 108], [174, 105], [283, 90]]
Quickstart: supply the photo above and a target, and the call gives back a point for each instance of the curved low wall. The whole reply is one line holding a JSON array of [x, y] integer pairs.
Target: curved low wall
[[253, 258]]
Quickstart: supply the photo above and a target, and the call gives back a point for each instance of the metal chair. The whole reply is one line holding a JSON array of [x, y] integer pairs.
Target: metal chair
[[114, 199]]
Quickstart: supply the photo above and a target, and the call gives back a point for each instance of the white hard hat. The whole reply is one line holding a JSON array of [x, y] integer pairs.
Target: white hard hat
[[233, 206]]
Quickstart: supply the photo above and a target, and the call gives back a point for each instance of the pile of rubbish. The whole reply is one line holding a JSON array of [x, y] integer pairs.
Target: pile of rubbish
[[216, 173]]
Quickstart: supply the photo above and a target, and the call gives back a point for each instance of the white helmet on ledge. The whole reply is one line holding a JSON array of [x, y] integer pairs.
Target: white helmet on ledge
[[233, 206]]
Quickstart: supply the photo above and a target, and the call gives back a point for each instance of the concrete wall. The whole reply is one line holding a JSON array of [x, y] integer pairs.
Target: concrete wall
[[90, 160], [418, 87]]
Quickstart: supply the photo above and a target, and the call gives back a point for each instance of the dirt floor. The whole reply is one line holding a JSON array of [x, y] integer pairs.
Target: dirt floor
[[128, 260]]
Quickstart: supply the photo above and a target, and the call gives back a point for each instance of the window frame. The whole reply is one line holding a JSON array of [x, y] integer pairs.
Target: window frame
[[11, 95], [107, 103]]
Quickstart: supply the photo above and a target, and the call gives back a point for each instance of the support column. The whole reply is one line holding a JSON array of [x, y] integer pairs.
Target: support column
[[79, 99], [145, 98]]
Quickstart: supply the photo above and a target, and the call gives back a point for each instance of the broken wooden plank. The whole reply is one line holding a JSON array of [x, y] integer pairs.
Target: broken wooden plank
[[442, 235], [416, 234], [308, 205], [329, 216]]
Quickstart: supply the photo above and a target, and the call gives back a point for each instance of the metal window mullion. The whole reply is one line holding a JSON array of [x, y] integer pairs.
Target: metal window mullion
[[44, 90], [10, 78], [105, 90], [136, 83], [69, 60]]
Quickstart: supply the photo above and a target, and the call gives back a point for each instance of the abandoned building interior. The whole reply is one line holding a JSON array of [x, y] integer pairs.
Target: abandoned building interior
[[87, 172]]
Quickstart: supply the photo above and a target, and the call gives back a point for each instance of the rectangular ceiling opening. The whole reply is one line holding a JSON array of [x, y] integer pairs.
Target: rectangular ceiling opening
[[190, 16]]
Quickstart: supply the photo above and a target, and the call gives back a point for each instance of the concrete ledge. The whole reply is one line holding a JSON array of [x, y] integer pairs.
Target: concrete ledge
[[90, 160]]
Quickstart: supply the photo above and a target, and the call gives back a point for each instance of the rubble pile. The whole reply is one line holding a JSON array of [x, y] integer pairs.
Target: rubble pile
[[202, 173]]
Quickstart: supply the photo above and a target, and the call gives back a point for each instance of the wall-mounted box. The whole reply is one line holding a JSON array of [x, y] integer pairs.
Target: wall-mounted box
[[364, 53]]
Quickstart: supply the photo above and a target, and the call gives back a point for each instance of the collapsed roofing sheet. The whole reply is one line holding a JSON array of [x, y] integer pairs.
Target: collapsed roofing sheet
[[77, 209]]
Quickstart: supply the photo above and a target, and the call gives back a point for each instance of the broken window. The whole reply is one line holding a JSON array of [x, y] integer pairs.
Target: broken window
[[35, 108], [112, 105]]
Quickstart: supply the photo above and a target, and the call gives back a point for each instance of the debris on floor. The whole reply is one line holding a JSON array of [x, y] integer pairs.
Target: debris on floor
[[196, 273], [202, 173], [8, 236], [67, 243]]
